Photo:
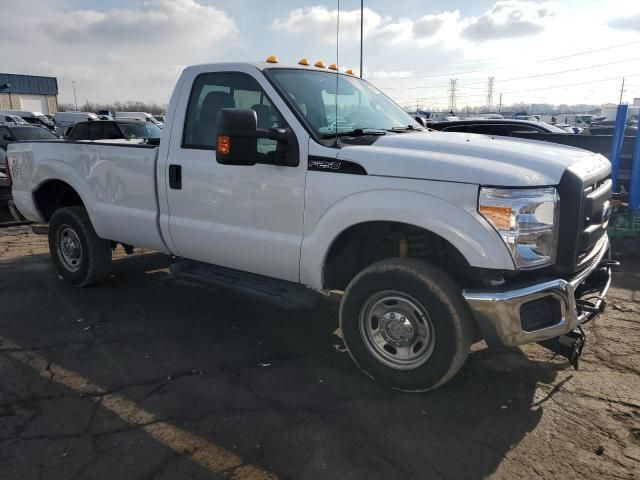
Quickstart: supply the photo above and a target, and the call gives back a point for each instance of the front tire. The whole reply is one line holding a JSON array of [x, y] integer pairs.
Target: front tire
[[80, 256], [406, 325]]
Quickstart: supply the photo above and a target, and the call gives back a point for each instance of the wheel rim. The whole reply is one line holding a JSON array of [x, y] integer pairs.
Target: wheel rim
[[397, 330], [69, 248]]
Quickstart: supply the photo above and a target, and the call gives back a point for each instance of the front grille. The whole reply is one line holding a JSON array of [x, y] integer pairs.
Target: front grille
[[593, 222], [583, 195]]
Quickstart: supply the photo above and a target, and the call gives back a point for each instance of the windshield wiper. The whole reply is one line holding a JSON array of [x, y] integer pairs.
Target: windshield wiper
[[357, 132], [408, 128]]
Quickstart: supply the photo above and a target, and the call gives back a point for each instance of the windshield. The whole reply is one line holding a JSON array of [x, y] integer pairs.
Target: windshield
[[359, 104], [32, 133], [140, 130], [45, 120]]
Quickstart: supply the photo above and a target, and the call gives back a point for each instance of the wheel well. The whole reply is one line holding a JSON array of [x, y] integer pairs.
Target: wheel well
[[53, 195], [366, 243]]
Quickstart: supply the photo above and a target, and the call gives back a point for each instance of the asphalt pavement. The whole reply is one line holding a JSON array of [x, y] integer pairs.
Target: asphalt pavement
[[147, 376]]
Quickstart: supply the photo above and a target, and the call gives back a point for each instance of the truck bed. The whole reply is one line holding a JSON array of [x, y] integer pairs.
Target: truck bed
[[116, 181]]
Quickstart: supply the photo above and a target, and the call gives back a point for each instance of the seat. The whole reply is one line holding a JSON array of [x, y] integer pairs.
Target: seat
[[206, 129], [264, 114]]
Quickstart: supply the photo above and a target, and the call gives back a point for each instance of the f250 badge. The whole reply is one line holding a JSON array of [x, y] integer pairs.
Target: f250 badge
[[324, 164]]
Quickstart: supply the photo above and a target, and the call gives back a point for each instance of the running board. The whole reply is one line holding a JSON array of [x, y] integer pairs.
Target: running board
[[288, 295]]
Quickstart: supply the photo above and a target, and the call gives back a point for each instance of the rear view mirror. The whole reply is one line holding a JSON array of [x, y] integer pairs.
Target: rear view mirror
[[421, 121], [237, 141], [238, 134]]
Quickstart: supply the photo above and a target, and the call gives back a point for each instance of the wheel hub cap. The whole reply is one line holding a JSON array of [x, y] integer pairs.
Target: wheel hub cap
[[69, 248], [397, 330]]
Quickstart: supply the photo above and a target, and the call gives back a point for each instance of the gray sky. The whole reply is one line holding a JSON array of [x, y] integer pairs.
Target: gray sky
[[135, 49]]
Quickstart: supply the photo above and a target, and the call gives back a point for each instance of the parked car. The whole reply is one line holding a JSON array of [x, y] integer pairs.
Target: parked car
[[607, 127], [14, 132], [12, 119], [504, 128], [106, 114], [114, 130], [64, 120], [583, 120], [435, 239], [140, 116], [159, 118], [34, 118], [567, 127], [530, 118]]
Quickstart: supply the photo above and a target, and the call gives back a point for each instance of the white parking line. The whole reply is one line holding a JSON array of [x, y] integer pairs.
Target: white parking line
[[199, 450]]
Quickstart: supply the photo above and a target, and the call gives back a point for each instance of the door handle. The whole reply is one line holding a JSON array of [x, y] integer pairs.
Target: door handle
[[175, 177]]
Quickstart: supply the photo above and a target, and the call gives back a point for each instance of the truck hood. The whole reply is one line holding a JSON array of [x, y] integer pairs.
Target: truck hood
[[469, 158]]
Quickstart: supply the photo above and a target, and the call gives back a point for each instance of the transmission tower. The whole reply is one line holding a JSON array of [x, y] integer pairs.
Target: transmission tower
[[453, 90], [490, 94]]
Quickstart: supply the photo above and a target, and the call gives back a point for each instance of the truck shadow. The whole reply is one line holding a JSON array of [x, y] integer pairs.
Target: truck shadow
[[274, 387]]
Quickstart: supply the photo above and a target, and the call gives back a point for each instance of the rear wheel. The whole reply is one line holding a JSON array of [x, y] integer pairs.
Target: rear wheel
[[406, 325], [80, 256]]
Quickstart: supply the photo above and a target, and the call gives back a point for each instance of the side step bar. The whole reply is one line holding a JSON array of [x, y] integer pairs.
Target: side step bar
[[288, 295]]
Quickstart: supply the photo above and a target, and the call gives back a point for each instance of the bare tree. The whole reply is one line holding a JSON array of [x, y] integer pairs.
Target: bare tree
[[129, 106]]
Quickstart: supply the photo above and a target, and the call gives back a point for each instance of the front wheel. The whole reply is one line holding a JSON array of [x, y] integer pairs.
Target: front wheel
[[80, 256], [406, 325]]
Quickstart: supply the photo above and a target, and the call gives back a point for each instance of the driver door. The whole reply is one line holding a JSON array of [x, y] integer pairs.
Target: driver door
[[248, 218]]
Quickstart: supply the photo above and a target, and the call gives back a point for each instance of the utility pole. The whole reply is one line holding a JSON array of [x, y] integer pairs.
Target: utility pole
[[453, 90], [75, 98], [621, 92], [500, 107], [490, 94], [361, 32]]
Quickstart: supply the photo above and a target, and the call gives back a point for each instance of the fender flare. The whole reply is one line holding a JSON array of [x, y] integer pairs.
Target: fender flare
[[467, 231]]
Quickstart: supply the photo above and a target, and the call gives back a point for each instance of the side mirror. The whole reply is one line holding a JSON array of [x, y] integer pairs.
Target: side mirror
[[421, 121], [238, 134]]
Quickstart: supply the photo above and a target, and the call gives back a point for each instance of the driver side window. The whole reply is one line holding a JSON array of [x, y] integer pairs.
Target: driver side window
[[213, 91]]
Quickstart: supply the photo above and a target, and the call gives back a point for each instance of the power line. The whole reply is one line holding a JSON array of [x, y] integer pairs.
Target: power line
[[548, 87], [570, 70], [545, 60], [590, 51], [525, 77]]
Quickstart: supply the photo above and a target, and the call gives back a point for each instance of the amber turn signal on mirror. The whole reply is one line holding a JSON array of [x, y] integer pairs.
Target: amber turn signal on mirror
[[224, 145]]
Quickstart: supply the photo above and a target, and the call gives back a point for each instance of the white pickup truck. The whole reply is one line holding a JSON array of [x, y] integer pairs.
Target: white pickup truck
[[296, 175]]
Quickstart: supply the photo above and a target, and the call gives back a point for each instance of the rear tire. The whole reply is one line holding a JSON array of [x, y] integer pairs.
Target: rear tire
[[80, 256], [406, 324]]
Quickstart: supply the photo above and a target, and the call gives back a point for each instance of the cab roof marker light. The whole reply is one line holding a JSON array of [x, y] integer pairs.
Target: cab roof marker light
[[349, 72], [304, 62], [320, 64], [272, 59], [333, 66]]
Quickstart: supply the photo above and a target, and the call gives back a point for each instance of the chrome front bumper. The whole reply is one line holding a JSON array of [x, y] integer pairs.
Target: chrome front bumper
[[498, 311]]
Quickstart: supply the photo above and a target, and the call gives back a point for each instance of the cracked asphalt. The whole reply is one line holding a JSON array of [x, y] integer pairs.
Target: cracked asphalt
[[149, 377]]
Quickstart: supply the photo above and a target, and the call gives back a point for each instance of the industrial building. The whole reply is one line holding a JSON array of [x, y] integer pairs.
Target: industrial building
[[28, 92]]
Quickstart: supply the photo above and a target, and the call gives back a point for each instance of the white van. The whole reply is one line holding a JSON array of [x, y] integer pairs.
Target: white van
[[142, 116], [34, 118], [64, 120]]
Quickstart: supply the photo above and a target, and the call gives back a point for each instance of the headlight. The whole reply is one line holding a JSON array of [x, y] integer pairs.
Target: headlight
[[526, 219]]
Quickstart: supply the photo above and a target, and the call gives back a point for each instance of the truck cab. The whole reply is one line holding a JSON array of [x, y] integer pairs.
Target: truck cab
[[307, 176]]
